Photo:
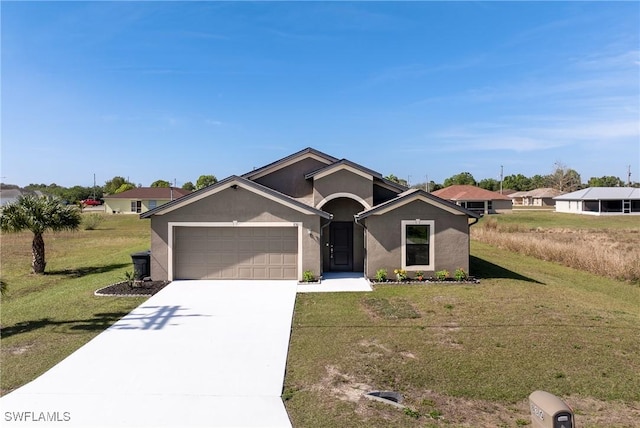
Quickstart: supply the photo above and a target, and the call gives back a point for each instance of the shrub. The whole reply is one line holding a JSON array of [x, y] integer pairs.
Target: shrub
[[441, 275], [460, 274], [381, 275], [92, 221], [401, 274], [308, 276]]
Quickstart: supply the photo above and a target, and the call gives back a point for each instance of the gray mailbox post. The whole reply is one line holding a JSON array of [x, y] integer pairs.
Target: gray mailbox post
[[549, 411]]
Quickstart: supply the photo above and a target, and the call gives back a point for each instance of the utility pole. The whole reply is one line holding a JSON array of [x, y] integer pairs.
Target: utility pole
[[501, 177], [629, 175], [426, 183]]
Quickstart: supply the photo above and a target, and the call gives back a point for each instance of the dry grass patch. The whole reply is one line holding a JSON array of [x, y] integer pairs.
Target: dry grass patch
[[610, 252]]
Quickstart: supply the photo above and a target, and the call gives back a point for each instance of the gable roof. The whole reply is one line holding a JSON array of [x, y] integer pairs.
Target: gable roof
[[602, 193], [413, 195], [168, 193], [465, 192], [296, 157], [343, 164], [234, 181], [543, 192]]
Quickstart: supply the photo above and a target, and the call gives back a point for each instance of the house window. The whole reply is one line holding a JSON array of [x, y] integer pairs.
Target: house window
[[136, 206], [417, 244], [153, 204]]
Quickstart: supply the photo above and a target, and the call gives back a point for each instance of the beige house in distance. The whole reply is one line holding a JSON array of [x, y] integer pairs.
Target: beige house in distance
[[476, 199], [306, 212], [141, 199], [542, 197]]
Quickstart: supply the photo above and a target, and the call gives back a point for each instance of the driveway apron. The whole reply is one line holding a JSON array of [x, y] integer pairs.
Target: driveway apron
[[198, 353]]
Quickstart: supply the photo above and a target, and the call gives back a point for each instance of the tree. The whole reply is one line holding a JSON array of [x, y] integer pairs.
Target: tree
[[38, 214], [489, 184], [160, 183], [395, 179], [564, 179], [538, 181], [462, 178], [125, 187], [517, 182], [605, 181], [205, 181], [189, 186], [111, 187]]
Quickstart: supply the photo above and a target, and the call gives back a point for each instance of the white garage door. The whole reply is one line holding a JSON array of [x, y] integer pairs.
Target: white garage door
[[236, 253]]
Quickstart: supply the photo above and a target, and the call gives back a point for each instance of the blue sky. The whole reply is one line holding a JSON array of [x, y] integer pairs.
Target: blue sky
[[173, 90]]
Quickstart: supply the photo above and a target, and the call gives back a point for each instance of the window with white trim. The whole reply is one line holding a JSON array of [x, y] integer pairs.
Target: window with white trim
[[417, 244]]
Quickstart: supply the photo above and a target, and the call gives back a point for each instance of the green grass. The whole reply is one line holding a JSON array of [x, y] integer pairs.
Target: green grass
[[46, 317], [462, 355], [529, 325]]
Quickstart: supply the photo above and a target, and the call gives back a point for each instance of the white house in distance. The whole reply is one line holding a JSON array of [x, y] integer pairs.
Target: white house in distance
[[600, 201], [141, 199]]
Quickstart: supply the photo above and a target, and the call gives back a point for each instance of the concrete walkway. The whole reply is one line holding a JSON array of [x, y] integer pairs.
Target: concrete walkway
[[199, 353]]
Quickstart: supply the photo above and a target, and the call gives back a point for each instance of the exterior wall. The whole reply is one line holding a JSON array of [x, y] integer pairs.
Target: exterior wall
[[116, 206], [383, 238], [123, 206], [577, 207], [231, 205], [501, 206], [382, 194], [343, 181], [290, 179]]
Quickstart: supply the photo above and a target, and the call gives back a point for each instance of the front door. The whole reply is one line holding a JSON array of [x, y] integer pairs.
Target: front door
[[341, 245]]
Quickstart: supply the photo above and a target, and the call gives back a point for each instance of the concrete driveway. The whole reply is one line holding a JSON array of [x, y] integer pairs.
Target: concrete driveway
[[198, 353]]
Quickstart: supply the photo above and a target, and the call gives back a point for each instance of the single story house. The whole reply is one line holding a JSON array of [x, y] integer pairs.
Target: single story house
[[542, 197], [476, 199], [141, 199], [306, 212], [600, 201]]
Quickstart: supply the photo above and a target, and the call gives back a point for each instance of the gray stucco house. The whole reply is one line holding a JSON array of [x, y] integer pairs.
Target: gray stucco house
[[307, 211]]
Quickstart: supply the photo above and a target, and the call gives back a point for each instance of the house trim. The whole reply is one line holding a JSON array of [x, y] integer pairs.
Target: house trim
[[343, 195], [173, 224], [403, 243]]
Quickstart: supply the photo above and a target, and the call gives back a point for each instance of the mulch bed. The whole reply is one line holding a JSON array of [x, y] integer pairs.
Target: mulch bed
[[145, 288]]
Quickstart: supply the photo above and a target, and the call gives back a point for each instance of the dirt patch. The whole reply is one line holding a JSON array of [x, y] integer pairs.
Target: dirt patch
[[145, 288], [17, 350]]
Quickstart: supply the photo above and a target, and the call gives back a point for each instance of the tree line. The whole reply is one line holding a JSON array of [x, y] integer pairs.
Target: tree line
[[113, 186], [562, 178]]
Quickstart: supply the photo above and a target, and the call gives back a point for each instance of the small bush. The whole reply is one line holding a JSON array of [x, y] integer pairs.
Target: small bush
[[401, 274], [381, 275], [308, 276], [92, 221], [441, 275], [460, 274]]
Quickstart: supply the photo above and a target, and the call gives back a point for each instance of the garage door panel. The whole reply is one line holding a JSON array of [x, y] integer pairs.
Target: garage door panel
[[235, 253]]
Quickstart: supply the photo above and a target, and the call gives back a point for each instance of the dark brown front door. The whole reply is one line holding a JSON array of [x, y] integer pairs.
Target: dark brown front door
[[341, 245]]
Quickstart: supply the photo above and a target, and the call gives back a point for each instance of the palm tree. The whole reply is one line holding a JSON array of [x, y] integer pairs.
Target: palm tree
[[38, 214]]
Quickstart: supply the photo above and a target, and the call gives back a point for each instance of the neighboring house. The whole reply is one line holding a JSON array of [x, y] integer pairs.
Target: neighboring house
[[600, 201], [141, 199], [476, 199], [306, 212], [542, 197], [8, 196]]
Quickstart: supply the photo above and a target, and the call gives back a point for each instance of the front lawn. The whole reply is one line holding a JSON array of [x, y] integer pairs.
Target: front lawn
[[44, 318], [468, 355]]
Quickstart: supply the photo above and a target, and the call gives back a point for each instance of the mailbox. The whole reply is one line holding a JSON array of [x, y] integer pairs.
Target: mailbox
[[549, 411]]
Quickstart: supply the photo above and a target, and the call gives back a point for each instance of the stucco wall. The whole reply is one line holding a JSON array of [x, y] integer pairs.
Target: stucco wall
[[122, 206], [290, 179], [383, 236], [502, 206], [234, 205], [343, 181]]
